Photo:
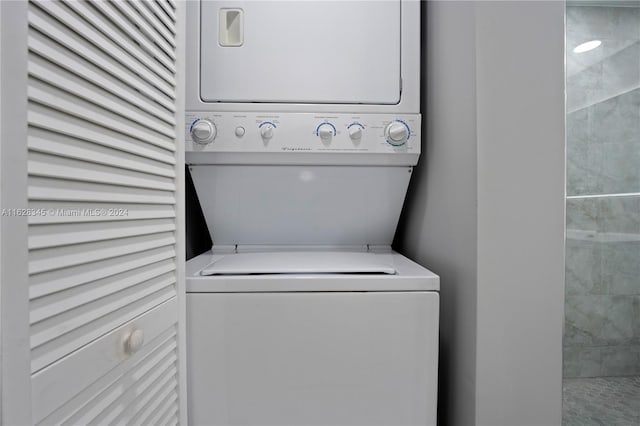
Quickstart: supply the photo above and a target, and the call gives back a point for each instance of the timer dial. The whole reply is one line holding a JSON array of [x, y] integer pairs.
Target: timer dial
[[203, 131], [397, 133]]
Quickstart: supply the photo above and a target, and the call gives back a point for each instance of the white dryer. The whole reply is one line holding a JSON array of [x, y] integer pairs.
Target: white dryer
[[301, 151]]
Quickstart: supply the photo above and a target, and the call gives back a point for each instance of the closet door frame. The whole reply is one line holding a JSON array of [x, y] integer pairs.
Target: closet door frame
[[14, 299]]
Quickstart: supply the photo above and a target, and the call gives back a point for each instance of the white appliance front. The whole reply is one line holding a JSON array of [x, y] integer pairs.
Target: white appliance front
[[302, 128], [299, 186], [313, 349], [295, 205], [342, 358], [310, 52], [303, 56]]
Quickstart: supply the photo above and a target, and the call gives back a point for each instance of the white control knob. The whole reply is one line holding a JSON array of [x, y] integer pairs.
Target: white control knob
[[325, 131], [355, 133], [203, 131], [266, 131], [396, 133]]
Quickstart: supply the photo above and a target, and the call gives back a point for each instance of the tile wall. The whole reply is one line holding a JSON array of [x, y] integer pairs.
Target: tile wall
[[602, 310]]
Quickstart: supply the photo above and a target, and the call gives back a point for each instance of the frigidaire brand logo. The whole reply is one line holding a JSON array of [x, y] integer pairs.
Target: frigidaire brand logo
[[286, 148]]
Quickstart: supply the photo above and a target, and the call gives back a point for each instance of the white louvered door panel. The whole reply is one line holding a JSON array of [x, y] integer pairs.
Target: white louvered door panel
[[104, 171]]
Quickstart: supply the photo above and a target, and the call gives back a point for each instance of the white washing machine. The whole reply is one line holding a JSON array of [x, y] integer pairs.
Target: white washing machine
[[320, 338], [303, 128]]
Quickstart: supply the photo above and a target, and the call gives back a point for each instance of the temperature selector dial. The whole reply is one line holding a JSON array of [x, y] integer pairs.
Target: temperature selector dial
[[266, 131], [326, 131], [397, 133], [203, 131]]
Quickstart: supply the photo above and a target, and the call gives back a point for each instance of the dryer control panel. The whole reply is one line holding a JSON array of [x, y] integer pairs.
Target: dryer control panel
[[384, 135]]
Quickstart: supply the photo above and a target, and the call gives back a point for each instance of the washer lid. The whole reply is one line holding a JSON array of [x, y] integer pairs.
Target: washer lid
[[287, 262], [409, 276]]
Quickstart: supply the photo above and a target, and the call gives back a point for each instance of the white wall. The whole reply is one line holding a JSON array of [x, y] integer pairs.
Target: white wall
[[438, 227], [520, 104], [486, 207]]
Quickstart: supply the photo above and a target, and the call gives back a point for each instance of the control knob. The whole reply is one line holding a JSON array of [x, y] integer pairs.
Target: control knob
[[203, 131], [325, 131], [266, 131], [355, 133], [396, 133]]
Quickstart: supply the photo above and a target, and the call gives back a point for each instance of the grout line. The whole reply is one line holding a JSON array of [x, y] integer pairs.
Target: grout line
[[620, 92], [626, 194]]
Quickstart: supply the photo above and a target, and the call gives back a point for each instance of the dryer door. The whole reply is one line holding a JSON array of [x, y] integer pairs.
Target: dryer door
[[300, 52]]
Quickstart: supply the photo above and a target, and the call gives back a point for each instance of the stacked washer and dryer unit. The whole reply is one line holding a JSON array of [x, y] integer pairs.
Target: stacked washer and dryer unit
[[303, 126]]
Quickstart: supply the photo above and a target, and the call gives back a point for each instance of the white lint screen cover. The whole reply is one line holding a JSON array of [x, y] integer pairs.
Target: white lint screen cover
[[309, 52]]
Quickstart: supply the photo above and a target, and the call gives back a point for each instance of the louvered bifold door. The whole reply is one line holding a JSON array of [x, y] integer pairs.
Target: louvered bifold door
[[104, 175]]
